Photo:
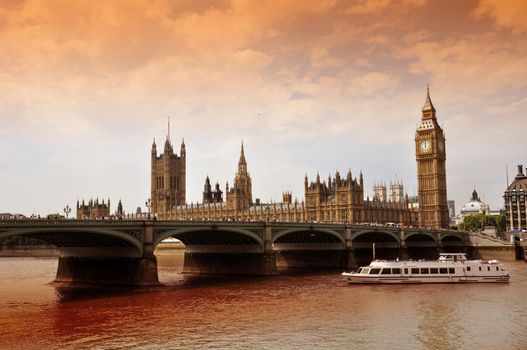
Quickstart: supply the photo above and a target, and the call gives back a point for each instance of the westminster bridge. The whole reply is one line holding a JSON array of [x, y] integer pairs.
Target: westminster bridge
[[122, 251]]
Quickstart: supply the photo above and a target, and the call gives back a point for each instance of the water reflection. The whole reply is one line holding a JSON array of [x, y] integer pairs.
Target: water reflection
[[67, 293], [440, 324], [291, 311]]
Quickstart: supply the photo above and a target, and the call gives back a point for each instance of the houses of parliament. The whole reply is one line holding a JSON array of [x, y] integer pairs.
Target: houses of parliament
[[338, 199]]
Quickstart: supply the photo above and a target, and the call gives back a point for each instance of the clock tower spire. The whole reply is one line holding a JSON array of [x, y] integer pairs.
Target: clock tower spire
[[431, 169]]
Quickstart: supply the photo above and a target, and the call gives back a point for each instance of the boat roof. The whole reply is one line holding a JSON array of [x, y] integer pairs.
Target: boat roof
[[430, 263]]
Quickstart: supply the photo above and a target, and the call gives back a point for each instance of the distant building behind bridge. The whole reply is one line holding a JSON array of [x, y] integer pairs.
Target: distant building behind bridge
[[95, 209], [516, 202], [339, 199]]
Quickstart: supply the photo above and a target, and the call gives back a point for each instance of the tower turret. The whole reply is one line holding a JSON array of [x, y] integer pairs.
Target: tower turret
[[183, 151], [242, 163], [154, 148], [120, 211], [207, 191], [361, 181]]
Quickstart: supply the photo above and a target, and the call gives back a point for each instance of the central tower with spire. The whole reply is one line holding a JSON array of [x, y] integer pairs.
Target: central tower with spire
[[168, 178], [431, 170], [240, 194]]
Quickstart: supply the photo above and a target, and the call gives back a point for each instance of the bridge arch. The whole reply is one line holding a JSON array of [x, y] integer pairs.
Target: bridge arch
[[452, 243], [376, 233], [374, 244], [309, 235], [211, 235], [452, 237], [68, 237], [418, 235], [421, 245]]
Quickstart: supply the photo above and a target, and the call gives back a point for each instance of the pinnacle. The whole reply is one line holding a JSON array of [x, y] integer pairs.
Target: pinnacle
[[428, 106]]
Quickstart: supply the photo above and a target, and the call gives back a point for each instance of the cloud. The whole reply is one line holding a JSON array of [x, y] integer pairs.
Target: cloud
[[330, 77], [299, 95], [509, 108], [469, 68], [375, 7], [508, 14], [373, 83], [368, 7]]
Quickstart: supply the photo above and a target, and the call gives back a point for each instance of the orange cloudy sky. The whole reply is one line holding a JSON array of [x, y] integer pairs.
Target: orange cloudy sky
[[308, 85]]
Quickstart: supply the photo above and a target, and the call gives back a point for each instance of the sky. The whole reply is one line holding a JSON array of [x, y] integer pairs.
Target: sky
[[309, 86]]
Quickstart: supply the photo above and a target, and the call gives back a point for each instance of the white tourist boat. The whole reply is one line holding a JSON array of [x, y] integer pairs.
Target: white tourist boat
[[449, 268]]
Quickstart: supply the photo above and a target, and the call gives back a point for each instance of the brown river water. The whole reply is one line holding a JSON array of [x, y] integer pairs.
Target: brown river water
[[316, 310]]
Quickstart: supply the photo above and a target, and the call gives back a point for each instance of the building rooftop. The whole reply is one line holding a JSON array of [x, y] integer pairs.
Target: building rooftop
[[520, 181]]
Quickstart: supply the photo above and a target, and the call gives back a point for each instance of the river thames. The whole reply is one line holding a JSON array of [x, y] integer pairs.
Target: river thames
[[316, 310]]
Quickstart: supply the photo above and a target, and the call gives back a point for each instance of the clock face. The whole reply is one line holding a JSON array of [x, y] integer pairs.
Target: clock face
[[425, 145]]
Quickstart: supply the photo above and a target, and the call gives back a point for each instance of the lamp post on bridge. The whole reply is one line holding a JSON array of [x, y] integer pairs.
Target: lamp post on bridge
[[67, 210], [148, 204]]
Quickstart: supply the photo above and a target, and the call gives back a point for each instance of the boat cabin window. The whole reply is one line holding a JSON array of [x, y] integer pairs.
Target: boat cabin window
[[468, 268], [488, 268], [406, 271], [364, 271], [375, 271], [396, 271], [480, 268], [415, 271], [424, 271], [497, 268], [443, 270], [451, 270], [386, 272], [434, 270]]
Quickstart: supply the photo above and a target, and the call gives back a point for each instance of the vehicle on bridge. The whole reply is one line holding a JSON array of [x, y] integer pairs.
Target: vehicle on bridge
[[450, 268]]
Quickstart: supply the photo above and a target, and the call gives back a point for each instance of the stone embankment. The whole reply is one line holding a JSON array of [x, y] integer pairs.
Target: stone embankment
[[489, 247]]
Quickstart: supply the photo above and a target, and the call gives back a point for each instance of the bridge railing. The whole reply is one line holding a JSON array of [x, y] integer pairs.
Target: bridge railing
[[66, 222], [164, 223]]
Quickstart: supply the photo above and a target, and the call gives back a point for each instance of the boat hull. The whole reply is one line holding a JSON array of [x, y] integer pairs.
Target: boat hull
[[358, 279]]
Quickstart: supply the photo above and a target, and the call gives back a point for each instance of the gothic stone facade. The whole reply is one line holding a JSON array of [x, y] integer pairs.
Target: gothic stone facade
[[93, 210], [168, 176], [337, 200]]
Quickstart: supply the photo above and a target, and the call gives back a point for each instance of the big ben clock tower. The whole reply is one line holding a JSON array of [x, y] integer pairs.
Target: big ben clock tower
[[431, 174]]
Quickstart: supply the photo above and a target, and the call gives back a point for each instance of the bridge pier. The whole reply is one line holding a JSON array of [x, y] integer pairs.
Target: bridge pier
[[230, 263], [119, 271], [97, 266], [403, 253], [350, 259], [233, 259]]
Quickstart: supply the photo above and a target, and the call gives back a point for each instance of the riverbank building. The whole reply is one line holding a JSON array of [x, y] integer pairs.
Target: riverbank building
[[516, 202]]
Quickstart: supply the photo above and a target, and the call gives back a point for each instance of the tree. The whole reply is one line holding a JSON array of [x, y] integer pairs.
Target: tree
[[474, 223], [500, 222]]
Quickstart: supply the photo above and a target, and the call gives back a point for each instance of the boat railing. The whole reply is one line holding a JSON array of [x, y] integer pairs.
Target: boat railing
[[411, 260]]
